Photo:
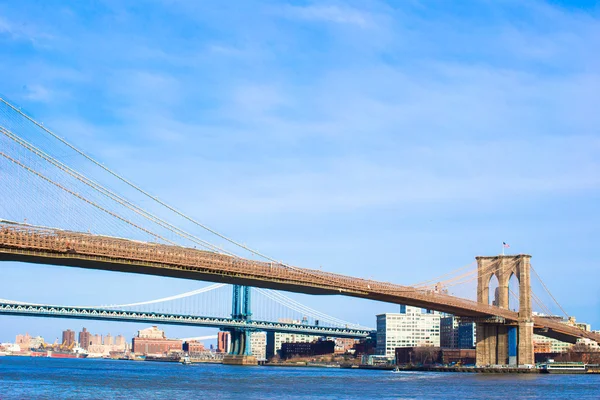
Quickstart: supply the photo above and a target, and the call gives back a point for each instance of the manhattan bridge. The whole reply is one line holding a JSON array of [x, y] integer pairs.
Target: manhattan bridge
[[60, 206]]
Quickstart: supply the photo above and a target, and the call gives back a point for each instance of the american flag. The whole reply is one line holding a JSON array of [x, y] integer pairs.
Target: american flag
[[505, 245]]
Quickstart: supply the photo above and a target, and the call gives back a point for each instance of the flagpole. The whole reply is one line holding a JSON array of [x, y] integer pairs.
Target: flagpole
[[503, 249]]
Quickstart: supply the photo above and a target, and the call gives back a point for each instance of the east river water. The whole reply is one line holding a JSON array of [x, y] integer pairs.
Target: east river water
[[41, 378]]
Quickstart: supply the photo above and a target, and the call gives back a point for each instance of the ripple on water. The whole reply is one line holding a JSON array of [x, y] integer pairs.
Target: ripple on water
[[40, 378]]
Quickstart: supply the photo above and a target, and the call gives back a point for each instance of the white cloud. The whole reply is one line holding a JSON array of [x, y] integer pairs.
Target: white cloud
[[329, 13], [4, 26], [497, 172], [24, 31], [37, 93]]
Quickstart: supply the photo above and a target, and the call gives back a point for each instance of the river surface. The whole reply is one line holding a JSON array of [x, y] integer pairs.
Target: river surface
[[43, 378]]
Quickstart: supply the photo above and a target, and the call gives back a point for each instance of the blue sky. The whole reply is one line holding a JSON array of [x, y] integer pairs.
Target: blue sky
[[393, 140]]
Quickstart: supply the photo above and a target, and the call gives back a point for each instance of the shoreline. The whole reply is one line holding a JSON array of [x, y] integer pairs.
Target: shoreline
[[469, 370], [386, 368]]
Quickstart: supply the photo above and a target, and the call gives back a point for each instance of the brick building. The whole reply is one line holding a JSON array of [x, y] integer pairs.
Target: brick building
[[193, 346], [23, 341], [275, 341], [153, 341], [84, 339], [223, 342], [458, 356], [68, 337], [366, 346], [343, 345]]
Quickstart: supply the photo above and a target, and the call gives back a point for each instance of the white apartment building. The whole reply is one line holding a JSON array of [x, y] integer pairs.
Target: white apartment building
[[544, 344], [258, 345], [412, 327]]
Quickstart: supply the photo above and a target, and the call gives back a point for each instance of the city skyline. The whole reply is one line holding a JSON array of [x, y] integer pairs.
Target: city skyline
[[4, 338], [309, 164], [76, 331]]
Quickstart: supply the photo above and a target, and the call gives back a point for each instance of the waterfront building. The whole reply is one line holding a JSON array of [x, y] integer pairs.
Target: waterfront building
[[582, 325], [366, 346], [344, 345], [411, 327], [434, 355], [84, 339], [276, 339], [587, 343], [68, 338], [108, 340], [10, 347], [258, 345], [102, 346], [542, 344], [120, 341], [151, 333], [463, 356], [99, 346], [456, 334], [153, 341], [449, 332], [303, 349], [193, 346], [23, 341], [542, 347], [223, 342], [467, 335], [96, 340], [36, 342], [26, 342]]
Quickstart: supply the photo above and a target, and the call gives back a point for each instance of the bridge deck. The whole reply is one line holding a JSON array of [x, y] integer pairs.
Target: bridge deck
[[52, 246], [55, 311]]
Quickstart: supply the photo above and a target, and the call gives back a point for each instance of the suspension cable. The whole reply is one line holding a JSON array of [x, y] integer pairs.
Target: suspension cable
[[547, 290], [137, 188], [541, 304], [110, 194], [291, 303], [165, 299], [299, 307], [85, 199], [434, 280], [141, 303], [491, 268]]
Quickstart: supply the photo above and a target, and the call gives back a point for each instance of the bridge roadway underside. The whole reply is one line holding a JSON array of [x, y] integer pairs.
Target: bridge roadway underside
[[405, 295], [107, 264]]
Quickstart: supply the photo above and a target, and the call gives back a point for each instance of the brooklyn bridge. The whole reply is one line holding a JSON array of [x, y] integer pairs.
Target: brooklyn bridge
[[59, 206]]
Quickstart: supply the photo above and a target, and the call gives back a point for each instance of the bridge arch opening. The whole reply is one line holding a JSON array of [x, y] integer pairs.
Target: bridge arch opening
[[514, 292], [493, 294]]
